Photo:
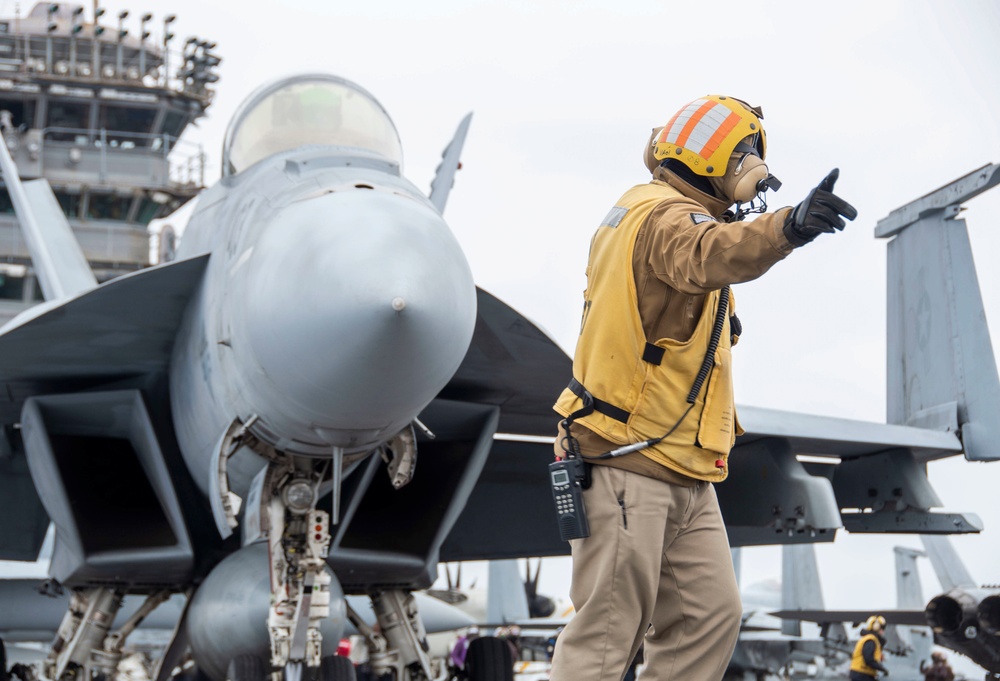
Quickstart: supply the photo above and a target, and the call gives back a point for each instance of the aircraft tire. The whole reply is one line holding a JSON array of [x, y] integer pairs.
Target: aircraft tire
[[246, 668], [4, 676], [489, 659], [337, 668]]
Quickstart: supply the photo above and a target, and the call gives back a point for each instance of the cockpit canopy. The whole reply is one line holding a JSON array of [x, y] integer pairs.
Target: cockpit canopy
[[307, 110]]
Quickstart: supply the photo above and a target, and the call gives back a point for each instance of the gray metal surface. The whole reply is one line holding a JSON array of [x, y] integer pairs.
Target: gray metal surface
[[506, 601], [831, 436], [939, 348], [940, 201], [800, 584], [64, 436], [948, 567], [776, 500]]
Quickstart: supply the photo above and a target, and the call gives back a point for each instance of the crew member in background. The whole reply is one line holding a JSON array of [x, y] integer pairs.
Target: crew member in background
[[461, 647], [939, 669], [867, 659], [658, 313]]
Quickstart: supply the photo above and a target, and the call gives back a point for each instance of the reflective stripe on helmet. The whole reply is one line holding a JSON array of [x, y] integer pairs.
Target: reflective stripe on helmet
[[700, 126]]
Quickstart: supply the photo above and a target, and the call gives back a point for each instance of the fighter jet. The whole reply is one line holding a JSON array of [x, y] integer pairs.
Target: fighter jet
[[243, 423], [317, 305]]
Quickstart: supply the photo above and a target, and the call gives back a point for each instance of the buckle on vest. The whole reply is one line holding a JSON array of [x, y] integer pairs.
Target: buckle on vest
[[592, 404]]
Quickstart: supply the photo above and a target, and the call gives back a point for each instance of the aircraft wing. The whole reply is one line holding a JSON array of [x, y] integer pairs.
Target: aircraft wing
[[514, 365], [910, 618], [123, 328], [828, 436], [771, 497], [116, 332]]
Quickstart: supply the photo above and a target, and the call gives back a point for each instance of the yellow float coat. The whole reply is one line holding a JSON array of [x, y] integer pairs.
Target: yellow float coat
[[609, 358], [858, 659]]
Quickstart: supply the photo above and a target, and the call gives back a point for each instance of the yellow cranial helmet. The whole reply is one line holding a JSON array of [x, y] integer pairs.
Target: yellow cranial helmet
[[875, 621], [704, 134]]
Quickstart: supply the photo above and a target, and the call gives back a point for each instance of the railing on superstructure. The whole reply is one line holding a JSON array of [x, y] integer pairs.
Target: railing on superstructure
[[113, 156], [87, 58]]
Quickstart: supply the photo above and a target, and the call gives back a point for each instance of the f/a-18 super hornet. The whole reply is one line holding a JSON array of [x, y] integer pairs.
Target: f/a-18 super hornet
[[242, 424]]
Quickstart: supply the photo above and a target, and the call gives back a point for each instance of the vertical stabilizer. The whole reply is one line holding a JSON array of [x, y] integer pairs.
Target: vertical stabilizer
[[950, 569], [451, 161], [800, 585], [910, 596], [941, 370], [909, 591], [506, 601]]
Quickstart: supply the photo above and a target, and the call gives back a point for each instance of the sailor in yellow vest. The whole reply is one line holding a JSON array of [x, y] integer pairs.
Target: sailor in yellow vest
[[866, 662], [651, 400]]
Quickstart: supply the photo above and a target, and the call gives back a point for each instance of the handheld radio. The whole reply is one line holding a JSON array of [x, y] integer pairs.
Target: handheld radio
[[569, 477]]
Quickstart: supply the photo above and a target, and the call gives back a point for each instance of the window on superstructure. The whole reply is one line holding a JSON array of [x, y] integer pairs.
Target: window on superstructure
[[70, 204], [148, 210], [11, 285], [173, 123], [108, 207], [127, 127], [66, 116], [22, 112], [6, 206]]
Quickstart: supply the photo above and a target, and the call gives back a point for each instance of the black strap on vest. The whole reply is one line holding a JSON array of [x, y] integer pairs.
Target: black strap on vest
[[592, 404], [650, 354]]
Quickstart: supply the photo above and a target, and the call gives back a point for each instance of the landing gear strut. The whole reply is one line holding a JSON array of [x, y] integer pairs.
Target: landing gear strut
[[298, 541], [400, 646], [85, 642]]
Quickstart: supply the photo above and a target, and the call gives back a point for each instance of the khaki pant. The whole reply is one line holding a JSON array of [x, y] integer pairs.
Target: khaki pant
[[655, 569]]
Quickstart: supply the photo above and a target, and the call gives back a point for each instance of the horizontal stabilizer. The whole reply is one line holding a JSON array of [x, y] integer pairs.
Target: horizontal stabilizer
[[59, 263]]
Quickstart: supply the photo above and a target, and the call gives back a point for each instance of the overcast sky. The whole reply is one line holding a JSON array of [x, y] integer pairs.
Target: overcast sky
[[901, 96]]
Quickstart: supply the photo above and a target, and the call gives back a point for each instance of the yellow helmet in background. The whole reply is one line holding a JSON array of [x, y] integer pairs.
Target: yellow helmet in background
[[704, 134], [873, 621]]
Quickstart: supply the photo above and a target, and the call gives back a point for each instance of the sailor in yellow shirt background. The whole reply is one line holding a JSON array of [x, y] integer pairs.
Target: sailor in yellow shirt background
[[651, 399], [866, 662]]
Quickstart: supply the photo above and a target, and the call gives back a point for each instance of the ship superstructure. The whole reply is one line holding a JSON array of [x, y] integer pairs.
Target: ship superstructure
[[97, 108]]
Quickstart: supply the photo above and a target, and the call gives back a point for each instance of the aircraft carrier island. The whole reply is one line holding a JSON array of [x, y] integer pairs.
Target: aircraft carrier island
[[96, 103]]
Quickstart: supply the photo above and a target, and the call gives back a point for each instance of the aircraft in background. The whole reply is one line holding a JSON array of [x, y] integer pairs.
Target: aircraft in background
[[243, 422], [906, 645], [965, 618]]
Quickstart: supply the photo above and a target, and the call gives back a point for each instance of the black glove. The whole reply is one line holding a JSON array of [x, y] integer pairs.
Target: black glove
[[819, 213]]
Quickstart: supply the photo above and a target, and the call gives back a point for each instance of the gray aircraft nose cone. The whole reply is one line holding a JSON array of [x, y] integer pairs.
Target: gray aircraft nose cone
[[359, 307]]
